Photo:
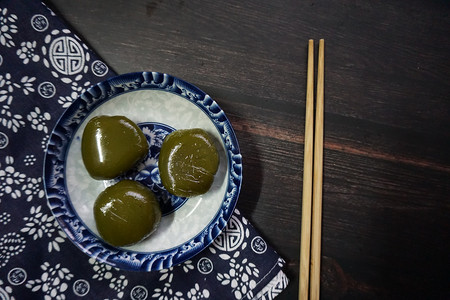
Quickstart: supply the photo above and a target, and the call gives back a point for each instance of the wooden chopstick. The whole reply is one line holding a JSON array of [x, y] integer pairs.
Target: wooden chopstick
[[305, 241], [312, 181], [316, 230]]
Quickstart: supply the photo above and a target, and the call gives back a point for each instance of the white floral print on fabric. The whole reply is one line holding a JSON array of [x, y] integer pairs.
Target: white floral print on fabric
[[32, 188], [10, 120], [5, 218], [53, 282], [6, 291], [39, 120], [240, 277], [168, 292], [11, 244], [195, 293], [187, 266], [243, 274], [27, 52], [29, 160], [10, 179], [118, 284], [106, 272], [15, 184], [44, 142], [40, 225], [26, 84], [102, 271], [7, 27], [77, 89], [7, 87]]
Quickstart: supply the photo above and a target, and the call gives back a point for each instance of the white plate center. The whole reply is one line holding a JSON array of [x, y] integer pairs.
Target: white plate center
[[151, 106]]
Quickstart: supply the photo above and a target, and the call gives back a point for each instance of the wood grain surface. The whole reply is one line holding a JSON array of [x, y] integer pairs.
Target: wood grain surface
[[386, 208]]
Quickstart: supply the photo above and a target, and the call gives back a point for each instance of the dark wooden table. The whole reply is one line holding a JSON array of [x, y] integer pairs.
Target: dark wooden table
[[386, 208]]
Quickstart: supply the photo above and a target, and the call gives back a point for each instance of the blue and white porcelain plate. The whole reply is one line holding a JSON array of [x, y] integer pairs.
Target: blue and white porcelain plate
[[158, 103]]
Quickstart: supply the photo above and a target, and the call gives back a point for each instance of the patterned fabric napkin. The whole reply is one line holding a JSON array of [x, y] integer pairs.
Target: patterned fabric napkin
[[43, 67]]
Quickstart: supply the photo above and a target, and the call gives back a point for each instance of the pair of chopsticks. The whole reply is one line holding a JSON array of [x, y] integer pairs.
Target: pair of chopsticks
[[310, 244]]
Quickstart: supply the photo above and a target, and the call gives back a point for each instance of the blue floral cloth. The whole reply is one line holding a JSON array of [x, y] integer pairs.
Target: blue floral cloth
[[43, 68]]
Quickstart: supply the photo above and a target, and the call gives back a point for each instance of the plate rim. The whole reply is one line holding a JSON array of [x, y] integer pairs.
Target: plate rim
[[55, 185]]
